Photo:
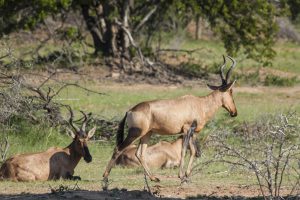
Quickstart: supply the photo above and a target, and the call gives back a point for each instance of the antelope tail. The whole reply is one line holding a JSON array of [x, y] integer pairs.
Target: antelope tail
[[120, 133]]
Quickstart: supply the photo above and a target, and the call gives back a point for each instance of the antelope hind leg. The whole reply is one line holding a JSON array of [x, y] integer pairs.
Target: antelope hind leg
[[192, 155], [188, 140], [183, 152]]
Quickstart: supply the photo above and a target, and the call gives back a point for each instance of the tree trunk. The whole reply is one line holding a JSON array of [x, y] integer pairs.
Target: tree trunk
[[92, 27], [125, 21], [110, 35], [198, 27], [107, 27]]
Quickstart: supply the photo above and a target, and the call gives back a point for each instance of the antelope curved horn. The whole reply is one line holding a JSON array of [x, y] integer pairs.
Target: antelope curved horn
[[222, 71], [231, 68], [71, 120], [84, 121]]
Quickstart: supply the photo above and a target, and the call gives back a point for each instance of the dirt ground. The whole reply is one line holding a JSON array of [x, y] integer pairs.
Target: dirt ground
[[181, 192], [94, 191], [172, 192]]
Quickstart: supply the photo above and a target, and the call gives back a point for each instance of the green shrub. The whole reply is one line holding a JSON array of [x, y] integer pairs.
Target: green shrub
[[192, 70], [279, 81], [249, 79]]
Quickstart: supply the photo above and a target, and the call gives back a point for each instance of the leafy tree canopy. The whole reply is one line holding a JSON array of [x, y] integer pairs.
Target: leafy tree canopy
[[247, 26]]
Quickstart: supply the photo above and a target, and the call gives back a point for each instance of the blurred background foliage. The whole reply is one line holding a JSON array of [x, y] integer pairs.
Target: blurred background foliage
[[97, 27]]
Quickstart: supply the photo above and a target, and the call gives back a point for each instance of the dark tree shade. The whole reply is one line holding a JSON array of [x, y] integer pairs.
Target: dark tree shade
[[294, 6]]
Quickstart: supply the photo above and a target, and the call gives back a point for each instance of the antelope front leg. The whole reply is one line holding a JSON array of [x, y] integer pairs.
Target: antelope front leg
[[69, 176], [132, 136], [111, 163], [140, 154]]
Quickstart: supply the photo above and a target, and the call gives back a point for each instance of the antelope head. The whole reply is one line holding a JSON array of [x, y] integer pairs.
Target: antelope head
[[225, 89], [81, 136]]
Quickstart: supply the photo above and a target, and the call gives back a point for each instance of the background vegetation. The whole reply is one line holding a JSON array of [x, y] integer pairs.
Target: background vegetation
[[100, 56]]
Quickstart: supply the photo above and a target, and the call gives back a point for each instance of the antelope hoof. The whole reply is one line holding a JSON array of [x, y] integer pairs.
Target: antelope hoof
[[105, 175], [105, 183], [76, 178], [180, 175], [185, 180], [187, 174], [153, 178]]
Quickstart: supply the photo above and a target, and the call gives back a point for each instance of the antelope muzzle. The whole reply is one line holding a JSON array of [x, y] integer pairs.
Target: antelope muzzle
[[87, 156], [233, 114]]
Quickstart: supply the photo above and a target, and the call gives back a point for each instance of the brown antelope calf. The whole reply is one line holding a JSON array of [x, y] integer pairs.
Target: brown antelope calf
[[52, 164], [161, 155], [172, 116]]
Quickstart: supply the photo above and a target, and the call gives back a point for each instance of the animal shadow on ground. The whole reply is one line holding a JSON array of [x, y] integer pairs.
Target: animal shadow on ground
[[114, 194]]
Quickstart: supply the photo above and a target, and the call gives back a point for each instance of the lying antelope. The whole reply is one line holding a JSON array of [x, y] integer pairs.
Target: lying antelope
[[172, 116], [52, 164], [161, 155]]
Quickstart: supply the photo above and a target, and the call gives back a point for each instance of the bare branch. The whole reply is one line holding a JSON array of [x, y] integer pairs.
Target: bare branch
[[4, 146], [133, 43], [268, 151], [145, 19]]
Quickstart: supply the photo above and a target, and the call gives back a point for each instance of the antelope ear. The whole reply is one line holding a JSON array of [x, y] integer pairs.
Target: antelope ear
[[91, 132], [70, 133], [228, 86], [212, 87]]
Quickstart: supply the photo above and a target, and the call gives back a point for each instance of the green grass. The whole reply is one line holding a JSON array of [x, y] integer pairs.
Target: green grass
[[286, 60], [117, 100], [128, 178], [25, 137]]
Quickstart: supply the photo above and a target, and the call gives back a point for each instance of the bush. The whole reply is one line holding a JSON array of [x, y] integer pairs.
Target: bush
[[279, 81], [192, 70], [249, 79], [270, 149]]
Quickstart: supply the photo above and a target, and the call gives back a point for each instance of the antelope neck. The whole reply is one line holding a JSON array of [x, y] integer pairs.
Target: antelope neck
[[74, 156], [211, 103]]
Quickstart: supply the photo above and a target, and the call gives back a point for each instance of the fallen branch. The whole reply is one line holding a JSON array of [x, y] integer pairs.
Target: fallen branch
[[181, 50]]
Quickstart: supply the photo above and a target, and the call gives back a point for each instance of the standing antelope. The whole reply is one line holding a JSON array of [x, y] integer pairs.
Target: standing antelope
[[52, 164], [172, 116], [161, 155]]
